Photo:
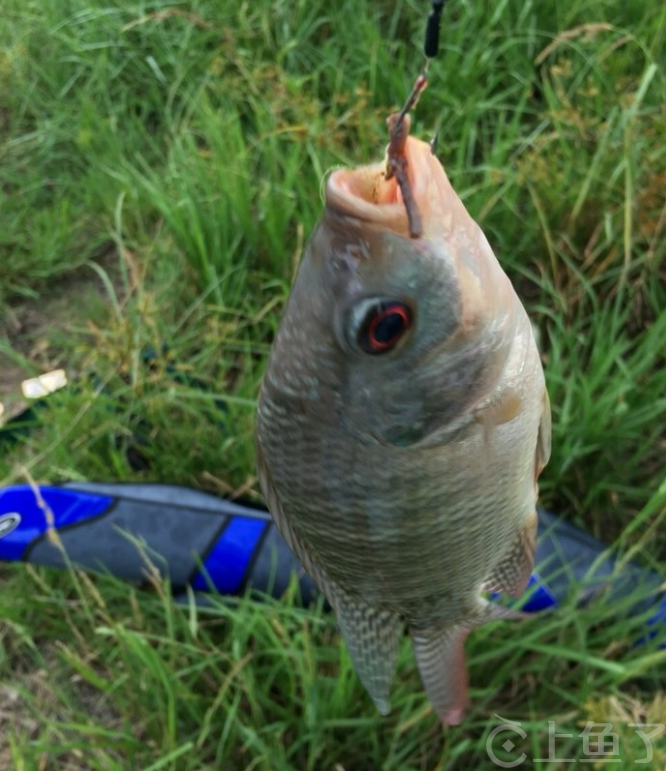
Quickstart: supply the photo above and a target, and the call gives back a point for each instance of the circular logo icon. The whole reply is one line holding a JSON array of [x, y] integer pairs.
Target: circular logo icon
[[9, 523], [508, 745]]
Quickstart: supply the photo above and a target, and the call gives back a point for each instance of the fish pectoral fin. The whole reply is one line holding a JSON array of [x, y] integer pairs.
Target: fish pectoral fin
[[373, 640], [500, 412], [512, 572], [440, 656]]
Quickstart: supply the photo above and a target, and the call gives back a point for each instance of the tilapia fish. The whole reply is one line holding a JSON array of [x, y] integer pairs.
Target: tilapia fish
[[403, 423]]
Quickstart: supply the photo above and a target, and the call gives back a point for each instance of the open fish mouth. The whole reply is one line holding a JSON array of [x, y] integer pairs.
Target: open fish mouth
[[366, 194]]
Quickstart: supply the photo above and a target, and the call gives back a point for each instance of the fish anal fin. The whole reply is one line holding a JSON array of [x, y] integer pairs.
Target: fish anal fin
[[440, 656], [373, 640], [512, 572], [496, 612]]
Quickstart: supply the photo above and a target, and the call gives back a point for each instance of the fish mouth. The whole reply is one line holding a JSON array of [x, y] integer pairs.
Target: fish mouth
[[366, 194]]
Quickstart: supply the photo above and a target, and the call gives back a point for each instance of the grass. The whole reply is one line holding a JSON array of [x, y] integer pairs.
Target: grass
[[160, 169]]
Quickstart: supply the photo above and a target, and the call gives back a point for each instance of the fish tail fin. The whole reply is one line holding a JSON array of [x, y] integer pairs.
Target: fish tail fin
[[440, 656], [373, 640]]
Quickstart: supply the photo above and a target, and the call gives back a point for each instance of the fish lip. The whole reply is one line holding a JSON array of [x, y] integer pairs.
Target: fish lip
[[365, 194]]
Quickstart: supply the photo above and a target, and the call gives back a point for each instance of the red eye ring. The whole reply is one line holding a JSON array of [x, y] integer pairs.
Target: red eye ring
[[383, 326]]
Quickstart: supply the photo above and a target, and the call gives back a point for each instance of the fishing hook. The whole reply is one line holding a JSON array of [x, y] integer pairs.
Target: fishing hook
[[398, 124]]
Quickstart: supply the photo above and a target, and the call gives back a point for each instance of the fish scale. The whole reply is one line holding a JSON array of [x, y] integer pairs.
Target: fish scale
[[325, 520], [403, 474]]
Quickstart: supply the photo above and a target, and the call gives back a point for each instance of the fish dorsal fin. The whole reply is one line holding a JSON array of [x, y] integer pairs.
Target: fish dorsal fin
[[284, 526], [373, 640], [372, 636]]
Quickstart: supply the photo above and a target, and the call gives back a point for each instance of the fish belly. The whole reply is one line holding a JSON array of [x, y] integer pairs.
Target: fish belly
[[414, 533]]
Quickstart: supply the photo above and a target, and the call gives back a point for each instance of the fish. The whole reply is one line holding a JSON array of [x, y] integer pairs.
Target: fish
[[403, 422]]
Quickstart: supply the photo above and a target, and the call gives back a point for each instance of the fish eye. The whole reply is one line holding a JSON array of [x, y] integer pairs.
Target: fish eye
[[384, 323]]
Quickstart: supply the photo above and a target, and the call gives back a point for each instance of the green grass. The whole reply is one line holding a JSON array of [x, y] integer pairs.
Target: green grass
[[160, 169]]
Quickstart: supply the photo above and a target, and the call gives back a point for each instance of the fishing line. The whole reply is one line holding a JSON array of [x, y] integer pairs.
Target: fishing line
[[431, 48], [399, 129], [431, 45]]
